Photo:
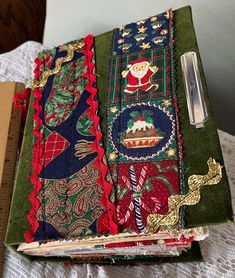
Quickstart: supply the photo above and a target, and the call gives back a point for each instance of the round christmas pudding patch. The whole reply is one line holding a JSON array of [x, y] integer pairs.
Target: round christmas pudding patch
[[142, 131]]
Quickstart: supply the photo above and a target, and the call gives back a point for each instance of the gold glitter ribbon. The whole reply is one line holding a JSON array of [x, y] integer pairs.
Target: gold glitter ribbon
[[70, 48], [195, 183]]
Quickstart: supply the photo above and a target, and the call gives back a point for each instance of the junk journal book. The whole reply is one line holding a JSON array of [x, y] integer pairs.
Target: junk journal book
[[111, 168]]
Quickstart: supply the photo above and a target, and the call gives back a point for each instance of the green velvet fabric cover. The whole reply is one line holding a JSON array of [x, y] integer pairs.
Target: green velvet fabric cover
[[198, 146]]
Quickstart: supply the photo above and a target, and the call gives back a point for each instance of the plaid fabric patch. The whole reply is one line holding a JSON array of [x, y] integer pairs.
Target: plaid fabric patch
[[160, 80], [53, 146]]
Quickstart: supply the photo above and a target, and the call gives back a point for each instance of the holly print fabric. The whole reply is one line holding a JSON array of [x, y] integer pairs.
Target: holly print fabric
[[68, 86]]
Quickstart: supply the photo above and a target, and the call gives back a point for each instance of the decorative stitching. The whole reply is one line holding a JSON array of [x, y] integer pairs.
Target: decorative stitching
[[171, 138]]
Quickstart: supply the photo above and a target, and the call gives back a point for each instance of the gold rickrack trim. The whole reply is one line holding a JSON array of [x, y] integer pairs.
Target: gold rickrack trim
[[195, 182], [70, 48]]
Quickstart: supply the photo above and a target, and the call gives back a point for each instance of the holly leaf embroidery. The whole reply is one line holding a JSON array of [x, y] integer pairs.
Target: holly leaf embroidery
[[149, 120], [130, 123], [134, 114], [147, 113]]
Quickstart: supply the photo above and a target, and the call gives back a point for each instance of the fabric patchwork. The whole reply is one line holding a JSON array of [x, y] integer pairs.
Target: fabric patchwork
[[150, 33], [140, 76], [142, 132], [71, 193], [45, 131], [143, 189], [53, 146], [144, 144]]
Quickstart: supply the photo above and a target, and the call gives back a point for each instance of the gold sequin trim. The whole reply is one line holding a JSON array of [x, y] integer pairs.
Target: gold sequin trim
[[70, 48], [195, 182]]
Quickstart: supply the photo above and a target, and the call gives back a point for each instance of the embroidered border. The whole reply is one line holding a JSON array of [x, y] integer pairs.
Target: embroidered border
[[155, 154]]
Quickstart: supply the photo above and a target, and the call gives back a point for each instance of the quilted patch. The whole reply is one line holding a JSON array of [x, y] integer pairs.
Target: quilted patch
[[142, 131], [71, 205], [140, 76]]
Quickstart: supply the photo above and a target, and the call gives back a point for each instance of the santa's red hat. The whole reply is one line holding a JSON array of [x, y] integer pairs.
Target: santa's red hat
[[139, 61]]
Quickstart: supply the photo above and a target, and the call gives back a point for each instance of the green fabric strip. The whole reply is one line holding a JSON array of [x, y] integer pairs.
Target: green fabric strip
[[102, 49]]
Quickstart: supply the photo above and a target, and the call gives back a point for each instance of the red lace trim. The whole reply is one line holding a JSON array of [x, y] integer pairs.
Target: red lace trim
[[37, 152], [107, 223], [100, 161]]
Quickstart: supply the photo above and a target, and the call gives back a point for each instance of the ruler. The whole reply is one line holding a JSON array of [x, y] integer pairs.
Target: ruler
[[10, 124]]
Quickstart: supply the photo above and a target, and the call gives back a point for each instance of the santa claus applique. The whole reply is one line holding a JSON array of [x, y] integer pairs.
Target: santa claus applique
[[138, 76]]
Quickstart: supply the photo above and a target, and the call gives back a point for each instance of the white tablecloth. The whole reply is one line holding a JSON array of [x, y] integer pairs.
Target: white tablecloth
[[218, 249]]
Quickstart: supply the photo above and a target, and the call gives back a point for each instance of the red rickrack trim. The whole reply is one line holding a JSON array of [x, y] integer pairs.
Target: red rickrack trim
[[37, 151], [99, 162]]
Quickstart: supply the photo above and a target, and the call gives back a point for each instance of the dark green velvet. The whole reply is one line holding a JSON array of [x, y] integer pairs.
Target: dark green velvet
[[20, 206], [199, 145]]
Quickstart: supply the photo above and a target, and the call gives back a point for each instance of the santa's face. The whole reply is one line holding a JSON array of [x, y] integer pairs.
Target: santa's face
[[139, 70]]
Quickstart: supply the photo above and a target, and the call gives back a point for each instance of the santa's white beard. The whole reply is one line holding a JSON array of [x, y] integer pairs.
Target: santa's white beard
[[139, 73]]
